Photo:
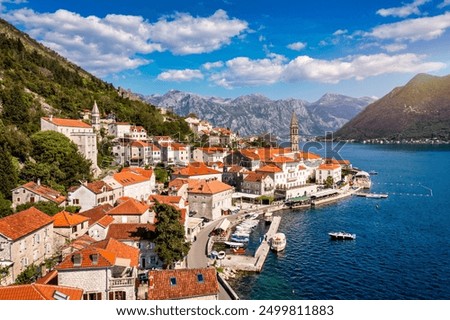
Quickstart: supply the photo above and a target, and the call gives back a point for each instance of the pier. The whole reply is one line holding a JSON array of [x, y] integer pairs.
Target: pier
[[256, 262]]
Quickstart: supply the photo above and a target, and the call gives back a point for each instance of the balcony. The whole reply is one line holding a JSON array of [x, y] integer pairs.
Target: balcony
[[121, 282]]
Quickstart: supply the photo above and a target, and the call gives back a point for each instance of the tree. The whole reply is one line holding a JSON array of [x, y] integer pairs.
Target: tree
[[29, 275], [58, 161], [47, 207], [8, 174], [329, 182], [4, 272], [169, 235], [161, 174], [5, 207]]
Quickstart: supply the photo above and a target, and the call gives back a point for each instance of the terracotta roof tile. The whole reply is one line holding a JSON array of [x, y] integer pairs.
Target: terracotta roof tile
[[282, 159], [255, 177], [23, 223], [91, 257], [36, 291], [126, 178], [66, 219], [147, 173], [330, 166], [165, 199], [128, 231], [120, 249], [195, 169], [44, 191], [182, 283], [98, 186], [207, 186], [68, 122], [269, 168], [80, 243], [129, 207], [97, 213]]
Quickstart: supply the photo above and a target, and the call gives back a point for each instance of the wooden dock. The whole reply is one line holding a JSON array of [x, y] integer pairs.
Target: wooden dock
[[256, 262]]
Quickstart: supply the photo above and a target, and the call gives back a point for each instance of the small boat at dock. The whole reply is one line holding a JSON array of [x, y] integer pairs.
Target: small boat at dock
[[268, 217], [372, 195], [373, 172], [278, 242], [340, 235]]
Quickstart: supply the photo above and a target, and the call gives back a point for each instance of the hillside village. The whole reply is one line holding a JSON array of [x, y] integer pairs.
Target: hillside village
[[102, 250]]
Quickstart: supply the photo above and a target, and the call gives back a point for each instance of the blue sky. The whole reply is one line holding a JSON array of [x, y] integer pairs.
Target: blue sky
[[227, 48]]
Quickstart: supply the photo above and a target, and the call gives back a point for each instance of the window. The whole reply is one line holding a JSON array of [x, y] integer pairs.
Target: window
[[173, 281], [77, 259], [117, 295], [74, 229], [36, 239], [76, 201], [92, 296], [200, 278]]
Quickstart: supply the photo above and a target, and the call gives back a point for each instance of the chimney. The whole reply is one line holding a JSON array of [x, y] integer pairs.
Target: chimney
[[51, 118], [38, 181]]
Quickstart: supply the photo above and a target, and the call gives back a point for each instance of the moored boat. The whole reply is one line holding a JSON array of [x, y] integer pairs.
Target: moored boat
[[342, 235], [278, 242]]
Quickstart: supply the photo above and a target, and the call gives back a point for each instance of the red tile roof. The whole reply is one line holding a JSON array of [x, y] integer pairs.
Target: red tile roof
[[23, 223], [105, 259], [340, 162], [282, 159], [255, 177], [207, 186], [269, 168], [44, 191], [236, 169], [128, 231], [98, 186], [80, 243], [182, 283], [165, 199], [66, 219], [195, 169], [128, 177], [120, 249], [67, 122], [308, 156], [37, 291], [98, 214], [148, 173], [129, 207], [329, 166]]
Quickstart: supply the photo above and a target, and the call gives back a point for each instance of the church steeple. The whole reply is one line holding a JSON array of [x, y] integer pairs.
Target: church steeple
[[95, 113], [294, 133]]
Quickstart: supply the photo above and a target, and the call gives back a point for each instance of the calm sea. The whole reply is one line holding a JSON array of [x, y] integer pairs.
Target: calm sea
[[402, 249]]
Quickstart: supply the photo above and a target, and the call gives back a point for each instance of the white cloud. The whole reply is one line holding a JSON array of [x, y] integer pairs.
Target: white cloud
[[426, 28], [184, 34], [114, 43], [394, 47], [444, 4], [297, 46], [340, 32], [212, 65], [243, 71], [180, 75], [404, 11]]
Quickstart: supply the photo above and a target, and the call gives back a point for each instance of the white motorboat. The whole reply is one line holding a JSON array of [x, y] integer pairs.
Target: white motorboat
[[278, 242], [340, 235]]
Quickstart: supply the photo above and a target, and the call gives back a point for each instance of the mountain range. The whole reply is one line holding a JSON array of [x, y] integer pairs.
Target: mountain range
[[420, 109], [256, 114]]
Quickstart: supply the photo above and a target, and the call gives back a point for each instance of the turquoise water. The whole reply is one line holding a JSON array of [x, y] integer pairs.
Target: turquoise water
[[402, 250]]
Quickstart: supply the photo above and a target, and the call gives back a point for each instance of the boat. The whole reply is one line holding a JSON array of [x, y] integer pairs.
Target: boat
[[234, 244], [278, 242], [342, 235], [268, 217], [221, 255], [376, 195], [373, 172], [239, 238]]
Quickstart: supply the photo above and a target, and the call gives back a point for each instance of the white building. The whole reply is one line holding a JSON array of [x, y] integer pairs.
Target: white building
[[328, 170], [208, 155], [89, 195], [197, 170], [32, 192], [137, 183], [80, 133], [68, 227]]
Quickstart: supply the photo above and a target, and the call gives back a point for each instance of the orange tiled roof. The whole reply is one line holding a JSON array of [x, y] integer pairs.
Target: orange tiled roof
[[309, 155], [269, 168], [340, 162], [52, 276], [44, 191], [98, 186], [66, 219], [147, 173], [165, 199], [120, 249], [195, 169], [129, 207], [138, 128], [126, 178], [97, 213], [178, 183], [80, 243], [207, 186], [128, 231], [37, 291], [104, 259], [329, 166], [255, 177], [23, 223], [67, 122], [182, 283], [282, 159], [213, 149]]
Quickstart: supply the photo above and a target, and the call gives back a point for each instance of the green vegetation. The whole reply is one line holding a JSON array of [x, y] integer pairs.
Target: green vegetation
[[169, 235], [29, 275], [329, 182], [35, 82]]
